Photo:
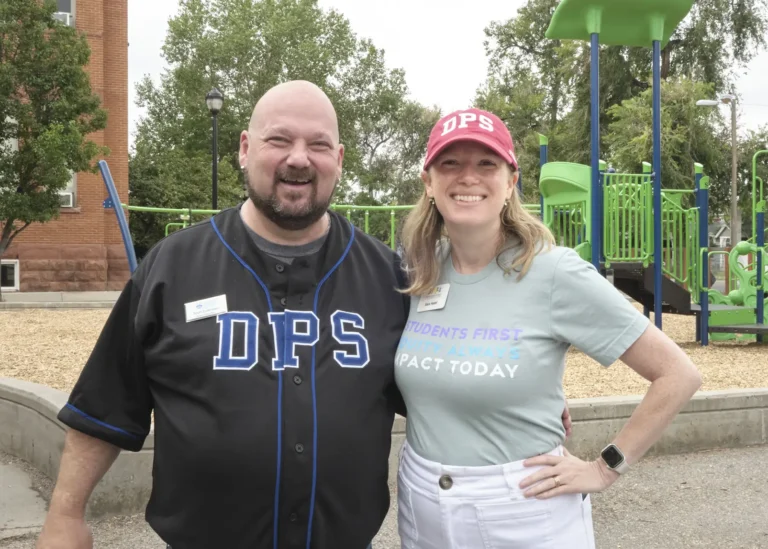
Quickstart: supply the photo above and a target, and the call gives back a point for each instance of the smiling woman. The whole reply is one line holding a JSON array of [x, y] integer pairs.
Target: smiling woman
[[482, 359]]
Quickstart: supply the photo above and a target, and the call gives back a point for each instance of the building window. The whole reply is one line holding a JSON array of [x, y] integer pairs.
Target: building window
[[68, 194], [65, 12], [9, 275]]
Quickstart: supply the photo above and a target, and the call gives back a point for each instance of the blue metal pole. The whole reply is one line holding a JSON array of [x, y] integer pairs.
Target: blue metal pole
[[595, 130], [697, 197], [760, 240], [657, 183], [121, 220]]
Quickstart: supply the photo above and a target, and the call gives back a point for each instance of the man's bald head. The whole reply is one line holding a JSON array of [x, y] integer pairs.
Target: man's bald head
[[291, 155], [297, 97]]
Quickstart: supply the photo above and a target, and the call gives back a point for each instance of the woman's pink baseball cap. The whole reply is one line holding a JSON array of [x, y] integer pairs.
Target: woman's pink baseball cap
[[475, 125]]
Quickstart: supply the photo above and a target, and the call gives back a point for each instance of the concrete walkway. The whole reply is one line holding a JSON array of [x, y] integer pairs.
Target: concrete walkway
[[22, 509], [716, 499]]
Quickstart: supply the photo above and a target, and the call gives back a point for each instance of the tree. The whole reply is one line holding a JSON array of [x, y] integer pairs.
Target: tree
[[243, 48], [689, 133], [47, 109]]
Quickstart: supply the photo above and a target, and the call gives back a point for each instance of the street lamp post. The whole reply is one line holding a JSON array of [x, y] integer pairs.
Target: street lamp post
[[735, 216], [215, 101]]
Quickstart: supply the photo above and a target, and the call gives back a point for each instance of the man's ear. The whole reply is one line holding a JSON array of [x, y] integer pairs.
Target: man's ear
[[244, 145], [341, 160]]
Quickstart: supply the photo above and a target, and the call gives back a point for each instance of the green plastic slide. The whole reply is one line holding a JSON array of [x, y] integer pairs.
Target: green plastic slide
[[565, 187]]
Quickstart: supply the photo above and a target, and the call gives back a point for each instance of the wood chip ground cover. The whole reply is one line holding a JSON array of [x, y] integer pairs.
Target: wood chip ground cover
[[50, 346]]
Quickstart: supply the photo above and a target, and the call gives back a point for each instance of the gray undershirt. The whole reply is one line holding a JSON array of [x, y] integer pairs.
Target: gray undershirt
[[283, 252]]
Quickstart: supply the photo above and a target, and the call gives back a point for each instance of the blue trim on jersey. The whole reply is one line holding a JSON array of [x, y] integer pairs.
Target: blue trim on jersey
[[97, 422], [314, 394], [279, 387]]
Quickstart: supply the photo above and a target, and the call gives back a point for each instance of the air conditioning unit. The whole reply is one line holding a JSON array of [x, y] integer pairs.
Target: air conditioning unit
[[67, 199], [65, 18]]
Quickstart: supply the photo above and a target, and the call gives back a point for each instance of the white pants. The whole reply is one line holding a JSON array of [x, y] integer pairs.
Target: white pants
[[446, 507]]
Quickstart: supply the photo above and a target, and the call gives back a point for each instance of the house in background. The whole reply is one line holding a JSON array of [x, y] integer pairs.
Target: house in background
[[82, 250], [719, 234]]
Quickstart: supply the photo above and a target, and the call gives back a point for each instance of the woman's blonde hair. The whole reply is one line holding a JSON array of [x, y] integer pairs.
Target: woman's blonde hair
[[424, 240]]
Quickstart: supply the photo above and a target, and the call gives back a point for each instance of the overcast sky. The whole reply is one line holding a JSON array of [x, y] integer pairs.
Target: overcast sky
[[438, 44]]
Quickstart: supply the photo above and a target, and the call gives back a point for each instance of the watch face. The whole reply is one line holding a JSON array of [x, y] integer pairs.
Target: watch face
[[612, 456]]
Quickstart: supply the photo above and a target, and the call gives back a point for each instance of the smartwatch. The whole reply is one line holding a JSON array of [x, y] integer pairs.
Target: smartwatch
[[614, 459]]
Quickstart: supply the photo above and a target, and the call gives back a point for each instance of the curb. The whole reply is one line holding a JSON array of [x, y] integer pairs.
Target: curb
[[721, 419], [11, 305]]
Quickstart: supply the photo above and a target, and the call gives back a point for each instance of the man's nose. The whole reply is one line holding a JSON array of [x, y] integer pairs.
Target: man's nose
[[299, 156]]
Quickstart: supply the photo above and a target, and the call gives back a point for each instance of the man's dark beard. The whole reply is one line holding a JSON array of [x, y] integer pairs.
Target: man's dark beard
[[270, 206]]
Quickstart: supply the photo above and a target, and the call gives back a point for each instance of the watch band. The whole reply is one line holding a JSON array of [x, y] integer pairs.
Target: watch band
[[621, 468]]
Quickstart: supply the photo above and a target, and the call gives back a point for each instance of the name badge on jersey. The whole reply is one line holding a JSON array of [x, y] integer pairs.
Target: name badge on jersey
[[435, 299], [206, 308]]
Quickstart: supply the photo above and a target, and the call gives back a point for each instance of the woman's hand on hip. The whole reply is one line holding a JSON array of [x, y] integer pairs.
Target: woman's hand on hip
[[566, 474]]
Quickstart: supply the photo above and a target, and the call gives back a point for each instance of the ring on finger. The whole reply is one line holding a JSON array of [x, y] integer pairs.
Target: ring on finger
[[557, 481]]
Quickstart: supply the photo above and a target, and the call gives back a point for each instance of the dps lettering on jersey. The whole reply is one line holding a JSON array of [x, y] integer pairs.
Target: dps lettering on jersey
[[289, 330]]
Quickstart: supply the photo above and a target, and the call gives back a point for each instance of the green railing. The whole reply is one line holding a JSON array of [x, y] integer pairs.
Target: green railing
[[568, 223], [627, 219], [184, 216], [679, 236]]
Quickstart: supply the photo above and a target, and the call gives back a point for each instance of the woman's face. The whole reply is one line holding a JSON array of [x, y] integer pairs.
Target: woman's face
[[469, 184]]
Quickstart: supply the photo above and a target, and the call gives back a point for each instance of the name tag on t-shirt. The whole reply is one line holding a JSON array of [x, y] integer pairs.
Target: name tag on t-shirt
[[206, 308], [434, 300]]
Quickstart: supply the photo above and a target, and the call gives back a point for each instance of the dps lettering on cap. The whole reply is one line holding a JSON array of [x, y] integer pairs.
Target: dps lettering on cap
[[434, 300], [464, 119]]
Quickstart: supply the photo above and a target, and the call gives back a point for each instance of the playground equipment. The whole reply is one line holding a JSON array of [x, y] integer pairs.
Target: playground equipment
[[654, 240]]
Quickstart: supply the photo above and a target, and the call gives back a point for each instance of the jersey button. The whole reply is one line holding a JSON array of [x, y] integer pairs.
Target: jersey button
[[299, 448], [446, 482], [283, 301], [293, 517], [279, 267], [297, 379]]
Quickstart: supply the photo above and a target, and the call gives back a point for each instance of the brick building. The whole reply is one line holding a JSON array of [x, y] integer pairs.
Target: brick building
[[82, 250]]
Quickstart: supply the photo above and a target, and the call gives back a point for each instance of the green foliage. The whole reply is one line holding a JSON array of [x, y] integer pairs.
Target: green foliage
[[688, 134], [47, 109], [243, 48]]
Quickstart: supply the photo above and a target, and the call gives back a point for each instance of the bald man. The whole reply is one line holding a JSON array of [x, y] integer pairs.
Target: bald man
[[264, 341]]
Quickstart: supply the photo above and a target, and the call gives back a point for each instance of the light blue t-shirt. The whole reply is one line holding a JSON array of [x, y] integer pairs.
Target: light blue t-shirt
[[482, 377]]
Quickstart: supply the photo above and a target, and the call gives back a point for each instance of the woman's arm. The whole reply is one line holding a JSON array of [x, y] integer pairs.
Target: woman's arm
[[674, 380]]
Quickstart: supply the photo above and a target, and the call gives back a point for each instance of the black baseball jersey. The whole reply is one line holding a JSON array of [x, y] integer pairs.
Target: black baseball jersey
[[272, 387]]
